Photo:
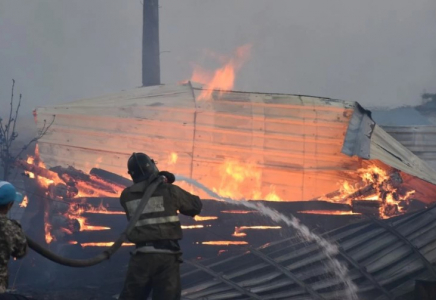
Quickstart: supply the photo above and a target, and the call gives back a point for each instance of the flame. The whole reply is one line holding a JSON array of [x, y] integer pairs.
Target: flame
[[376, 185], [30, 160], [224, 77], [87, 190], [105, 212], [84, 226], [42, 181], [82, 189], [272, 196], [100, 244], [24, 202], [204, 218], [328, 212], [101, 210], [223, 243], [191, 226], [172, 159], [221, 252], [238, 211], [243, 181], [239, 230], [47, 229]]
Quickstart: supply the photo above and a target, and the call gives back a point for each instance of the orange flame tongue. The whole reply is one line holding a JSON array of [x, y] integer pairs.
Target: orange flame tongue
[[239, 231], [100, 244], [204, 218], [243, 181], [172, 158], [223, 243], [224, 77], [24, 202], [328, 212]]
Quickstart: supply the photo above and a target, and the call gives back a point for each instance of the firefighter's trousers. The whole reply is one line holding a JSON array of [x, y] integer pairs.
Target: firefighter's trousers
[[157, 274]]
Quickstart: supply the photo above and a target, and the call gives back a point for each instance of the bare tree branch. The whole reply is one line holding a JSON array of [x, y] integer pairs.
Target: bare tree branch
[[14, 134], [41, 133], [10, 110], [2, 130], [8, 135]]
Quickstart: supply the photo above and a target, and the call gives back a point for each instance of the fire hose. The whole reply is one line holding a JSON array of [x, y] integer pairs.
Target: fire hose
[[106, 254]]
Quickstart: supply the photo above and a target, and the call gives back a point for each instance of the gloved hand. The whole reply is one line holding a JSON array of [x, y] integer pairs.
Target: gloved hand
[[169, 176]]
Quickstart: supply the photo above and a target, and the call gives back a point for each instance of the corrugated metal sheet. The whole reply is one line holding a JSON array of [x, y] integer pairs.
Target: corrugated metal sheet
[[295, 141], [384, 258], [385, 148], [421, 140]]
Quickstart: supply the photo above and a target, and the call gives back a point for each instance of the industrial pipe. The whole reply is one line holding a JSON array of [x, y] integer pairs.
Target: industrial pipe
[[106, 254]]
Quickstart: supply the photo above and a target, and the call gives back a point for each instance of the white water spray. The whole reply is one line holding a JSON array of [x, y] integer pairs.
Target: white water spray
[[329, 249]]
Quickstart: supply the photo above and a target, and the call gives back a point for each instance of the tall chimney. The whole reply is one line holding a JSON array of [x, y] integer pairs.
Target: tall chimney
[[150, 44]]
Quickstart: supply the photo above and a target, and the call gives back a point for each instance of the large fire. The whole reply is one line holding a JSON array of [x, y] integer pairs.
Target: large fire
[[223, 78], [68, 190], [63, 215], [376, 184]]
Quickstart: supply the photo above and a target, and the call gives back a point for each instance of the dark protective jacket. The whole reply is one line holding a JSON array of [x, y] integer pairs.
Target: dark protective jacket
[[13, 243], [159, 220]]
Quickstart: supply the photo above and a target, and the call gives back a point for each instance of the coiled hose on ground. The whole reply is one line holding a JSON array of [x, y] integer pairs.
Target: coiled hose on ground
[[106, 254]]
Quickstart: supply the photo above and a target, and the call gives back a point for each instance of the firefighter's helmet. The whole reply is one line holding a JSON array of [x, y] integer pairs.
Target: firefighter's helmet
[[141, 167]]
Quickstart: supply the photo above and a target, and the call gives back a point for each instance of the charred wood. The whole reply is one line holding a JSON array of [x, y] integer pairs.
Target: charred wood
[[114, 221], [38, 170], [112, 203], [71, 176], [58, 207], [62, 191], [61, 221], [100, 236], [111, 177], [70, 173], [367, 207], [361, 193]]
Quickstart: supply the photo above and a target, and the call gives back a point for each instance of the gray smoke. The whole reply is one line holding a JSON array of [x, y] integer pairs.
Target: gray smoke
[[380, 53]]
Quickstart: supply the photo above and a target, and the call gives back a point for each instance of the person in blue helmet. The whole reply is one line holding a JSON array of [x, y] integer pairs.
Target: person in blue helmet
[[13, 242]]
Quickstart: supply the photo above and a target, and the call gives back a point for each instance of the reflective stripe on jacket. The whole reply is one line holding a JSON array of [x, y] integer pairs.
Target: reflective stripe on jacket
[[159, 219]]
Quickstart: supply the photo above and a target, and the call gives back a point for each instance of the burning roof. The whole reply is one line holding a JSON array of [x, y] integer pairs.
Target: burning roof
[[273, 146]]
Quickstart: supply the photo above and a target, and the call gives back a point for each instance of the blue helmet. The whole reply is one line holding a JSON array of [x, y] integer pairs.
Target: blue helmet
[[8, 193]]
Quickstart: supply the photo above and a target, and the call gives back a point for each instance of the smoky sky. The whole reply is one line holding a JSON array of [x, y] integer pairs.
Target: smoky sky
[[381, 53]]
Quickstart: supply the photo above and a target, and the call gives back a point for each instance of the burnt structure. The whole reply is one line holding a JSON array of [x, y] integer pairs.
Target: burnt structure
[[294, 150], [384, 258]]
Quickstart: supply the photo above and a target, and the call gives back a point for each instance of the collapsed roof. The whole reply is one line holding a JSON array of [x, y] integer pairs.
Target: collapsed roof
[[303, 145], [383, 258]]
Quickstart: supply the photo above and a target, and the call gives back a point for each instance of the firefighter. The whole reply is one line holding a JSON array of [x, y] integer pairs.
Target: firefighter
[[13, 242], [154, 265]]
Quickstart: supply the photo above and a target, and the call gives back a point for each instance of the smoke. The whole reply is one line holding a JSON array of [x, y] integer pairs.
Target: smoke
[[379, 53]]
